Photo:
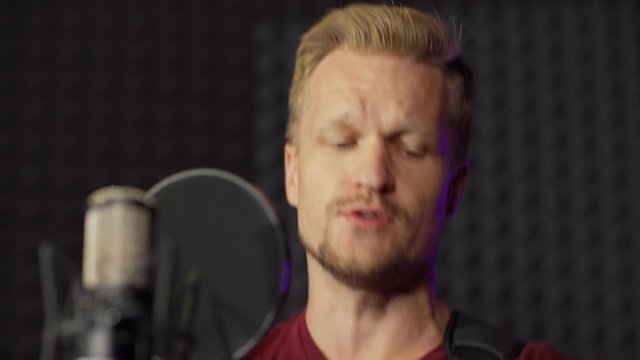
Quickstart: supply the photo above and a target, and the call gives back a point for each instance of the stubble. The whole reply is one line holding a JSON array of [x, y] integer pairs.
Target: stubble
[[400, 266]]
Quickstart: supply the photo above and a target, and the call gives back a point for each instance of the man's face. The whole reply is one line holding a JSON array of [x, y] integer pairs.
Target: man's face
[[370, 173]]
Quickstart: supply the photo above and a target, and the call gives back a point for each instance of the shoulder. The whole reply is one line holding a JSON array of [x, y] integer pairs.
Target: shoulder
[[541, 351], [281, 342]]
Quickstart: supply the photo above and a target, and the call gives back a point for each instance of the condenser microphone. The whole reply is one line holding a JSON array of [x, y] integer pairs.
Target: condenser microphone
[[116, 275], [196, 268]]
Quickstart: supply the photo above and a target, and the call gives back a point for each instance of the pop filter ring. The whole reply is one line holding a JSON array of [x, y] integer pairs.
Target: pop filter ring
[[242, 190]]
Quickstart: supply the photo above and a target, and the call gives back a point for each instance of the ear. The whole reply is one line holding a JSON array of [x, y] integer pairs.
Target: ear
[[456, 187], [291, 173]]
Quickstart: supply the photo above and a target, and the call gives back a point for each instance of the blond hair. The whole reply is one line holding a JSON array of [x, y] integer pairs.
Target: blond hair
[[401, 31]]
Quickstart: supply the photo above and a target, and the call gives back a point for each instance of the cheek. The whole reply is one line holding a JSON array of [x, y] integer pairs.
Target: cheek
[[430, 200], [320, 178], [428, 222], [313, 198]]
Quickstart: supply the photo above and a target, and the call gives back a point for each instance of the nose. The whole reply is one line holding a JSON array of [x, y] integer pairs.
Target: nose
[[373, 168]]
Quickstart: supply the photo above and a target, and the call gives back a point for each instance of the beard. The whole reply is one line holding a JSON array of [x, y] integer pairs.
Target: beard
[[399, 267]]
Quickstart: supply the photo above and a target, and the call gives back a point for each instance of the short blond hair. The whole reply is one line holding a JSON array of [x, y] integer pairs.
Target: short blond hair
[[397, 30]]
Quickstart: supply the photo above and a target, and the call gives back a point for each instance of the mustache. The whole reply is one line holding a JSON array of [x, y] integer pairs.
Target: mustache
[[393, 210]]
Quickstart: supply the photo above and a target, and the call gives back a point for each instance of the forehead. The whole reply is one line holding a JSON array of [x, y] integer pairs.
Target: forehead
[[376, 86]]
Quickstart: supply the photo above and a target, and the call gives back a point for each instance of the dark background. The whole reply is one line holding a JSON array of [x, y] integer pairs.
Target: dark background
[[129, 92]]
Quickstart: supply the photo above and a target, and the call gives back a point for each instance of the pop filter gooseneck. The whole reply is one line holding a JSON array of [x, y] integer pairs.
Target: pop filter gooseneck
[[224, 231]]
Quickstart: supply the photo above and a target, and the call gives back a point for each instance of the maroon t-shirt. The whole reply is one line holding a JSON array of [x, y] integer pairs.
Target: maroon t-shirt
[[291, 340]]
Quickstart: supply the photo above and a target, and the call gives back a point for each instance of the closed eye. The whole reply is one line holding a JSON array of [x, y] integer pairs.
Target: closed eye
[[338, 134], [415, 151], [343, 144], [340, 141]]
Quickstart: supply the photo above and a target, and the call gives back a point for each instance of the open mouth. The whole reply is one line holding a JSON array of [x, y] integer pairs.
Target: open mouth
[[369, 216]]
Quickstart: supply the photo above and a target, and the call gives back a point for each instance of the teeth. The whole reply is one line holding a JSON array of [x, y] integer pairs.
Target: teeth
[[368, 215]]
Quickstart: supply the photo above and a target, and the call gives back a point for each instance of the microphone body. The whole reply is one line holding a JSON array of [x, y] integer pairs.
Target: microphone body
[[116, 300]]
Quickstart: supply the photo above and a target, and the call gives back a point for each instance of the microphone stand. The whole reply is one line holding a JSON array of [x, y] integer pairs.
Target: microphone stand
[[118, 323]]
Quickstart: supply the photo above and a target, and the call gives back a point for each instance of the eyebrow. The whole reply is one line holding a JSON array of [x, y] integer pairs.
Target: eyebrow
[[340, 122], [411, 126]]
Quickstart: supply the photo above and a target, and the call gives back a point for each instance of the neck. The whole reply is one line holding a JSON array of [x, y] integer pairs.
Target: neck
[[351, 323]]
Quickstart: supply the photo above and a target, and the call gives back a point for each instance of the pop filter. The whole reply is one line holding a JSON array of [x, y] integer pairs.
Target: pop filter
[[224, 230]]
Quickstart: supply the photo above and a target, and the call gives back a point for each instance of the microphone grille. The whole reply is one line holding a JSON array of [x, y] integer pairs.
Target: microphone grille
[[119, 193], [117, 237]]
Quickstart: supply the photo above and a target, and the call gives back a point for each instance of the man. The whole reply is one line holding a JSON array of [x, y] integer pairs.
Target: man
[[375, 162]]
